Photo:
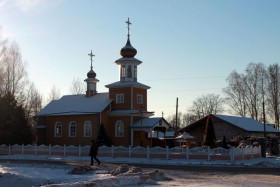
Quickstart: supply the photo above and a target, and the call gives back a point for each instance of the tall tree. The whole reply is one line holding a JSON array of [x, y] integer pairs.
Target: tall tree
[[253, 79], [236, 93], [273, 92], [78, 86], [189, 118], [14, 76], [102, 136], [207, 104], [14, 127], [172, 120], [54, 94], [210, 137], [33, 102]]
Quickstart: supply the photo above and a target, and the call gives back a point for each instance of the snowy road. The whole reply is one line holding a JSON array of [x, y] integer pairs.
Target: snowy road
[[21, 174]]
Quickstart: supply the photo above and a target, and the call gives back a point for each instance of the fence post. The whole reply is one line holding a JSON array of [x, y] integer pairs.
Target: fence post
[[242, 150], [36, 149], [50, 149], [167, 152], [187, 152], [112, 151], [64, 150], [208, 153], [231, 155], [148, 151], [22, 149], [9, 149], [129, 151], [79, 150]]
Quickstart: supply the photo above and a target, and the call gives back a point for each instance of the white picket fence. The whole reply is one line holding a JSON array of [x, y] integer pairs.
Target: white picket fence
[[197, 153]]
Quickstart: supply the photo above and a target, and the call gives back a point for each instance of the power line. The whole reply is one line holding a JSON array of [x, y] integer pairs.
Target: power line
[[190, 90], [182, 78]]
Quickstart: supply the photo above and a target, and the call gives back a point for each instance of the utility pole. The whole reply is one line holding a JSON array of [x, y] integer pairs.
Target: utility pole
[[176, 120], [264, 130]]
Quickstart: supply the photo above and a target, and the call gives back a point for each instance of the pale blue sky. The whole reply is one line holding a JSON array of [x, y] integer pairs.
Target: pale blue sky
[[188, 48]]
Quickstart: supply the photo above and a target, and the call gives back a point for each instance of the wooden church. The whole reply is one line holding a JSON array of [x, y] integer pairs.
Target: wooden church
[[121, 112]]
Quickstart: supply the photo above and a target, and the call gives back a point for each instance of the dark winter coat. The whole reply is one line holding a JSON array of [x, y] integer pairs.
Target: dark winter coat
[[93, 149]]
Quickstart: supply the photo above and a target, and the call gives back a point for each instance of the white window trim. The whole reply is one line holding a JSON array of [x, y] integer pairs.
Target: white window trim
[[139, 95], [69, 129], [58, 123], [116, 128], [118, 96], [88, 123]]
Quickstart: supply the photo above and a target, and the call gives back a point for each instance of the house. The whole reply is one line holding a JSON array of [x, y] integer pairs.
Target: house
[[230, 127], [76, 119]]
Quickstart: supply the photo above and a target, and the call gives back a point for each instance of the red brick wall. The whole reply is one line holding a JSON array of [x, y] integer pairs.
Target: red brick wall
[[65, 120], [127, 98]]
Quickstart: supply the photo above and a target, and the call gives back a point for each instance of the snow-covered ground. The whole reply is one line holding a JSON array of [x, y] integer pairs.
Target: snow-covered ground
[[49, 171]]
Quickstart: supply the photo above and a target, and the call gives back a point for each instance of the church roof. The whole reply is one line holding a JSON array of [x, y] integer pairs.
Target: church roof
[[121, 84], [76, 105]]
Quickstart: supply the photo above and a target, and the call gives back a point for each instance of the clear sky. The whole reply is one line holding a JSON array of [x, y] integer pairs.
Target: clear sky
[[188, 48]]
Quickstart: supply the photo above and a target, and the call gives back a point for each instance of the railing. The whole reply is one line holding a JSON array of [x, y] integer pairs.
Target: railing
[[197, 153]]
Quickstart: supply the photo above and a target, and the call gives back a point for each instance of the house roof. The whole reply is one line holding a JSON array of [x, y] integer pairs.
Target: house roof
[[247, 124], [76, 105], [150, 123]]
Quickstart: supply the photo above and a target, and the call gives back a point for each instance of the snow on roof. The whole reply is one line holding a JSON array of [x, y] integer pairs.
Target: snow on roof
[[247, 124], [146, 122], [76, 105], [127, 84]]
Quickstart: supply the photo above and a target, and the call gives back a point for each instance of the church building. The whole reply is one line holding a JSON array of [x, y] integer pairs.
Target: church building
[[121, 112]]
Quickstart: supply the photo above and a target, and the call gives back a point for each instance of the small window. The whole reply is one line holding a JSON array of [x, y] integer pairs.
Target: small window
[[139, 99], [119, 131], [58, 129], [123, 71], [129, 73], [135, 71], [72, 129], [120, 98], [87, 129]]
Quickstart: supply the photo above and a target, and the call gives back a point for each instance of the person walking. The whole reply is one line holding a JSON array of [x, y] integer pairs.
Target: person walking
[[93, 152]]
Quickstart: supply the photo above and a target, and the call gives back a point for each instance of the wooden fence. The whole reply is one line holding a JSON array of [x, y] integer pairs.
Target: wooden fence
[[196, 153]]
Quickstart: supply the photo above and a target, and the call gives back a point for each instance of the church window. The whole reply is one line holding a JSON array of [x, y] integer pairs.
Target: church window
[[129, 73], [72, 129], [119, 129], [139, 99], [87, 129], [120, 98], [123, 71], [58, 129], [135, 71]]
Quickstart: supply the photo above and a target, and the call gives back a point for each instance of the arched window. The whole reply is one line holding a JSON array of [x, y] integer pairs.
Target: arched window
[[87, 129], [58, 129], [72, 129], [119, 129]]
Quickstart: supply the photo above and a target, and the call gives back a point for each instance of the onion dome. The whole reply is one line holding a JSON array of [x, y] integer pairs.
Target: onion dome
[[128, 50], [91, 74]]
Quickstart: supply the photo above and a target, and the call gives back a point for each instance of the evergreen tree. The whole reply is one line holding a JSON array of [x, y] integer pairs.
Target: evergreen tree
[[102, 137], [14, 128], [210, 137]]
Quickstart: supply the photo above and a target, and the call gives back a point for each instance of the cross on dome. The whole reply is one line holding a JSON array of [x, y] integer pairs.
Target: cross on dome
[[91, 55], [128, 23]]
